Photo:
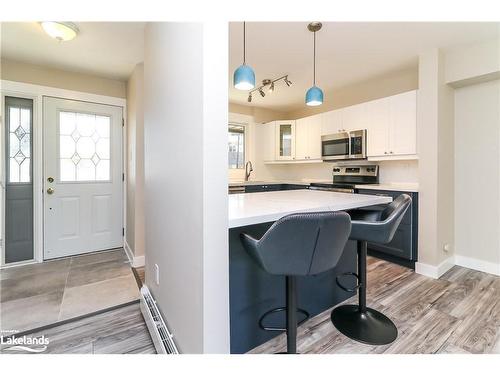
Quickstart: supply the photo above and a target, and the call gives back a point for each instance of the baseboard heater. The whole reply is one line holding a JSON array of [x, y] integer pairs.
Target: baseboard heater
[[162, 338]]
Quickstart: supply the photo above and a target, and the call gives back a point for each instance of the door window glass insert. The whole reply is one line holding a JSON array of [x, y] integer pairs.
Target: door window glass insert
[[19, 144], [84, 147]]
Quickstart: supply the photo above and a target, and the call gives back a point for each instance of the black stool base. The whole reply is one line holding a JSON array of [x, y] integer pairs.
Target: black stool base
[[371, 327]]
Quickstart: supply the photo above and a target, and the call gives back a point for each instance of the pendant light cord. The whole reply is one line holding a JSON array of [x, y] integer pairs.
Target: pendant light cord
[[314, 60], [244, 43]]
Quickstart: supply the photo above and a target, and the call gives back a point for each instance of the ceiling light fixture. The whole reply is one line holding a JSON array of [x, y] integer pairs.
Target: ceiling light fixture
[[62, 31], [249, 98], [270, 85], [244, 76], [314, 95]]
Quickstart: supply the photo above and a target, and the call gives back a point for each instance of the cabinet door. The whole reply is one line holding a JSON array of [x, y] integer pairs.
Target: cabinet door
[[265, 141], [331, 122], [301, 138], [403, 124], [285, 140], [378, 127], [314, 137], [355, 117]]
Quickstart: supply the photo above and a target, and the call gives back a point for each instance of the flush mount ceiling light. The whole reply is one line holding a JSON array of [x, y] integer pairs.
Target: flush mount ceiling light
[[270, 85], [62, 31], [314, 95], [244, 76]]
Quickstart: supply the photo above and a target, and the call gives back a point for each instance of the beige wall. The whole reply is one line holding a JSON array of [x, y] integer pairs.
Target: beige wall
[[477, 172], [45, 76], [388, 84], [435, 149], [259, 115], [135, 161]]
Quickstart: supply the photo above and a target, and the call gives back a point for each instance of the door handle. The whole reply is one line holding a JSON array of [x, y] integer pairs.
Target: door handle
[[50, 191]]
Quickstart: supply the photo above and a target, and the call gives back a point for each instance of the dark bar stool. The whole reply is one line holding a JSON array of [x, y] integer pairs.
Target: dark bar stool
[[299, 245], [359, 322]]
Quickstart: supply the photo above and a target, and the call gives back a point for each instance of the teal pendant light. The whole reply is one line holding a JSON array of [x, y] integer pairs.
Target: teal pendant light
[[244, 76], [314, 96]]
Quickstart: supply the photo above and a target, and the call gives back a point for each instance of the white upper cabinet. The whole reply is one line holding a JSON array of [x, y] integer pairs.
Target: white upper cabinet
[[403, 124], [314, 137], [331, 122], [285, 140], [377, 131], [392, 129], [355, 117], [265, 140], [308, 138], [301, 138]]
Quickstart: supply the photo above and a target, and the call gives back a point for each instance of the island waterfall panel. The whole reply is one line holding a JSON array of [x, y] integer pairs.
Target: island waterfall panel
[[252, 291]]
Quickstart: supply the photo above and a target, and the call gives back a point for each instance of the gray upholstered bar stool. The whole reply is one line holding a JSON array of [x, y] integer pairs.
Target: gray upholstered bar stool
[[359, 322], [299, 245]]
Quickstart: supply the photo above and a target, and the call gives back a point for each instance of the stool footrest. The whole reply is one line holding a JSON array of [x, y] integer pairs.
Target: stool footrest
[[279, 309], [345, 288]]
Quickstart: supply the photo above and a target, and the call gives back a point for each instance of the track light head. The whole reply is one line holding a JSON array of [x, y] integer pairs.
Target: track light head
[[271, 87], [261, 92], [249, 98], [288, 83]]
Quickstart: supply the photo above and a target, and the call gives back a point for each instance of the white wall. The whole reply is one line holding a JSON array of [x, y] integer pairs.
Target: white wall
[[186, 181], [477, 173]]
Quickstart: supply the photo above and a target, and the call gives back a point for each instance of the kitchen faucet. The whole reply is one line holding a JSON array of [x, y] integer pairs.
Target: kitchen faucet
[[248, 172]]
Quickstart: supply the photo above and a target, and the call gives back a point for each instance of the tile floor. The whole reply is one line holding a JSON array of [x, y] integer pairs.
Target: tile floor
[[34, 296]]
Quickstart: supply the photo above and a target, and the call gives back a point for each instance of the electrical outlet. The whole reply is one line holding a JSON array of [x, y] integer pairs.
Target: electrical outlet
[[446, 247], [157, 274]]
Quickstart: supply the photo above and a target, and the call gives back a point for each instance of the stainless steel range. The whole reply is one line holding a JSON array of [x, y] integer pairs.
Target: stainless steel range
[[345, 178]]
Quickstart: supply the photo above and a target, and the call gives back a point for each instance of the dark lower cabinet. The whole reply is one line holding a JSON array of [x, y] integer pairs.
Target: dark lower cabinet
[[273, 187], [404, 245]]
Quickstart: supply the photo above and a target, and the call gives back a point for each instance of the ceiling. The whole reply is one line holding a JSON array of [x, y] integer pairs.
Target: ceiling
[[346, 52], [106, 49]]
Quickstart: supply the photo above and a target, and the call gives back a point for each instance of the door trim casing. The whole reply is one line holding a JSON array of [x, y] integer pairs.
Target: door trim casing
[[36, 93]]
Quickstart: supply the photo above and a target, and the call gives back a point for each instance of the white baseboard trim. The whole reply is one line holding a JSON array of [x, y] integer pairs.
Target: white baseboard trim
[[135, 262], [434, 272], [478, 264]]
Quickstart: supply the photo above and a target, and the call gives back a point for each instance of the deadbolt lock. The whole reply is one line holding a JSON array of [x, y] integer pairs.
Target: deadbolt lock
[[50, 191], [50, 179]]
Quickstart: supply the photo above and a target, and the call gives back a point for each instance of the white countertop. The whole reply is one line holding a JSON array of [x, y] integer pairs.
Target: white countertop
[[255, 208], [271, 182], [412, 187]]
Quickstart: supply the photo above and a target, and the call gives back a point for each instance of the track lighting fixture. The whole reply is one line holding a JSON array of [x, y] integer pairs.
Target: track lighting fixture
[[269, 85]]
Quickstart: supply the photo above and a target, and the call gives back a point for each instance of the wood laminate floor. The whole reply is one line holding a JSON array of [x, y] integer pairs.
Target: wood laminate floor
[[118, 331], [458, 313], [37, 295]]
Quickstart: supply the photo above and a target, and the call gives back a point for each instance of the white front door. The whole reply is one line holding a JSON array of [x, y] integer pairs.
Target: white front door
[[83, 183]]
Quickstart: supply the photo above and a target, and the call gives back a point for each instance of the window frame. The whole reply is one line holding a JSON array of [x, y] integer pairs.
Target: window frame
[[245, 143]]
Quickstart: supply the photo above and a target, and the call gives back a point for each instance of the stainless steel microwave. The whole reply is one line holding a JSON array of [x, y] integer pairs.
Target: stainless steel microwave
[[344, 146]]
